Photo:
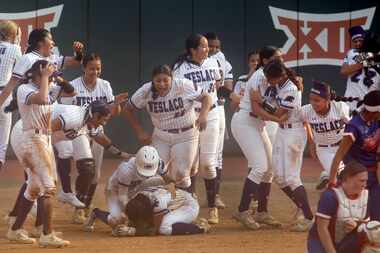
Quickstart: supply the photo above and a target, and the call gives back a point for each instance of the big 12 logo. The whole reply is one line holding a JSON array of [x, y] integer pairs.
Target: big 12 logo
[[318, 39], [42, 18]]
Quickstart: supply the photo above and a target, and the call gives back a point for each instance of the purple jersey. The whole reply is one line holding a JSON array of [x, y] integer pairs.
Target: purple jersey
[[361, 131]]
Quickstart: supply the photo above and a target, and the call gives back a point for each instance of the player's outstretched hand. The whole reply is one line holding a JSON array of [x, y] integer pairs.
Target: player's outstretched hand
[[201, 123], [122, 97], [78, 46], [144, 138], [126, 156]]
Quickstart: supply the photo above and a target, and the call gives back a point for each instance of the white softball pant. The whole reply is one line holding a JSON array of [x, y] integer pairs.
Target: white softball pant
[[35, 153], [287, 156], [206, 159], [326, 156], [187, 213], [180, 149], [5, 129], [222, 132], [251, 135]]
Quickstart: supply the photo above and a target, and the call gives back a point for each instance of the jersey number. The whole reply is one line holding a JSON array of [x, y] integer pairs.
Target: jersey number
[[179, 114], [211, 89]]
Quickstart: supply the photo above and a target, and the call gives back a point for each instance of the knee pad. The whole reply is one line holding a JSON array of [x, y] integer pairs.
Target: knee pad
[[86, 167], [255, 175]]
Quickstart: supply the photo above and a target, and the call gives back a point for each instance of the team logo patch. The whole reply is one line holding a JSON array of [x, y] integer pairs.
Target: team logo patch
[[318, 39], [42, 18]]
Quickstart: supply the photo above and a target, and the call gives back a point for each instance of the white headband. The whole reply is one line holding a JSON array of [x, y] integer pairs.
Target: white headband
[[357, 36], [372, 108]]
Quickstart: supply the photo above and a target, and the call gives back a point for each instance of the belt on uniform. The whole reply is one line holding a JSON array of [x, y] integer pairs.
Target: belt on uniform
[[197, 109], [39, 131], [285, 125], [329, 145], [178, 130]]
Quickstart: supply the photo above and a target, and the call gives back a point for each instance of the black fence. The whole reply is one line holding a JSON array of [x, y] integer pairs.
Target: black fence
[[133, 36]]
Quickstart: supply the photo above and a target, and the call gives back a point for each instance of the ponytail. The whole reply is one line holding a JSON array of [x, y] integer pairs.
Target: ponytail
[[335, 97], [292, 75], [180, 60], [192, 42]]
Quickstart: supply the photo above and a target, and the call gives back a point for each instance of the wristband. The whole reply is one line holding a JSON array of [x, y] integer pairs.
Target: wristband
[[114, 150]]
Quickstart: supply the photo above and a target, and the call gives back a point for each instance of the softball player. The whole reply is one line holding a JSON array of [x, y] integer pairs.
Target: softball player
[[156, 207], [10, 53], [130, 177], [88, 88], [290, 140], [37, 154], [340, 212], [214, 46], [248, 129], [360, 142], [170, 104], [195, 65], [326, 118], [40, 43], [361, 76]]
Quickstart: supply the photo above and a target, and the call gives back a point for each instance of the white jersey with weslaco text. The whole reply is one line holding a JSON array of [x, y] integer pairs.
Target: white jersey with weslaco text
[[85, 95], [27, 60], [33, 116], [221, 60], [362, 81], [175, 110], [126, 175], [289, 98], [228, 71], [327, 129], [163, 201], [9, 55], [240, 84], [257, 82], [204, 76]]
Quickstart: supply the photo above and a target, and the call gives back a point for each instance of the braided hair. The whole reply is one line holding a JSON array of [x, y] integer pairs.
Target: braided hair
[[139, 211]]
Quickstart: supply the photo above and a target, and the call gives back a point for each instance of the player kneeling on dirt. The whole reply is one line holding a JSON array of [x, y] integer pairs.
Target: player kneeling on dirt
[[341, 219], [144, 170], [154, 211]]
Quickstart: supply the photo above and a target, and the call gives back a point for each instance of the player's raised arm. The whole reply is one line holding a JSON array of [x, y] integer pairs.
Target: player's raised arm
[[76, 60], [42, 96]]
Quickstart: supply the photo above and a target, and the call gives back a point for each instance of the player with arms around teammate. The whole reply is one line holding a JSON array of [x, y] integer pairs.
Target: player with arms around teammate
[[248, 128], [326, 115], [170, 104], [290, 140], [360, 142], [204, 71], [37, 154], [40, 47], [362, 77], [155, 211], [131, 177], [10, 53]]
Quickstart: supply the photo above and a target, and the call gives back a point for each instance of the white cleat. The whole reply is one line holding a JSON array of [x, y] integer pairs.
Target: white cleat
[[70, 199], [52, 241], [266, 218], [219, 202], [246, 220], [36, 232], [19, 236], [203, 224], [213, 216], [301, 225], [78, 216]]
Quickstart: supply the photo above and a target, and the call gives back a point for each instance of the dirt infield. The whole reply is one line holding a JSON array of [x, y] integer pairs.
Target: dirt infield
[[228, 236]]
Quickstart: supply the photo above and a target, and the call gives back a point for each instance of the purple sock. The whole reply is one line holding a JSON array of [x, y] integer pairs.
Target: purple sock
[[301, 196], [64, 169], [101, 215], [263, 196], [20, 196], [218, 179], [22, 212], [180, 228], [210, 191], [249, 191], [40, 212], [289, 192]]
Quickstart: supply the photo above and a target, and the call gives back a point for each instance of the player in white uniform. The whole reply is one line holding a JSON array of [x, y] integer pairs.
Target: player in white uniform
[[131, 177], [326, 118], [290, 141], [361, 76], [37, 154], [215, 52], [248, 129], [195, 65], [88, 88], [10, 53], [170, 104], [156, 207]]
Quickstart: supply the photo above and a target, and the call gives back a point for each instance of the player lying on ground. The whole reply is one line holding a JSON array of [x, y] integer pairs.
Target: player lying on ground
[[343, 212], [154, 211], [146, 169]]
